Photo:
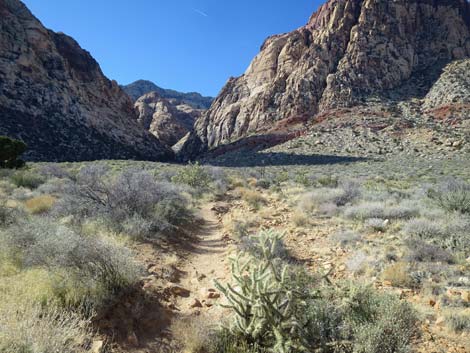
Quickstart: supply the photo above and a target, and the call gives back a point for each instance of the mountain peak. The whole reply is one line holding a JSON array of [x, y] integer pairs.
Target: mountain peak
[[141, 87]]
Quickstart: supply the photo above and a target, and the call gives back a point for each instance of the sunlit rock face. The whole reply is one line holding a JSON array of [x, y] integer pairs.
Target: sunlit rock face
[[349, 52]]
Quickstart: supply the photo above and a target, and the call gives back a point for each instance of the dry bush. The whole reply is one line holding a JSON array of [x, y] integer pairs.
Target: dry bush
[[29, 328], [300, 219], [398, 274], [40, 204], [89, 261], [193, 334], [254, 198], [125, 201]]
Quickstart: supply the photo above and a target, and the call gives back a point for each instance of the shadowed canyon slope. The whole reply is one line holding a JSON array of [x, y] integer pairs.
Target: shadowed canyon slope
[[54, 96], [352, 53]]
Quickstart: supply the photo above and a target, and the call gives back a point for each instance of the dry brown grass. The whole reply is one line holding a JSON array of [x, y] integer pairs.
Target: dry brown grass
[[300, 219], [398, 275], [254, 198], [40, 204], [192, 334]]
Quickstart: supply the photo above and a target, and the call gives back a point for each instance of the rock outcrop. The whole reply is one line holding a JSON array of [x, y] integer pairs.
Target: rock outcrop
[[351, 52], [167, 119], [54, 96], [139, 88]]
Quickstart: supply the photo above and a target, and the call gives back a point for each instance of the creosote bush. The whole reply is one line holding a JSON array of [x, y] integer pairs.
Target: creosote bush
[[194, 176]]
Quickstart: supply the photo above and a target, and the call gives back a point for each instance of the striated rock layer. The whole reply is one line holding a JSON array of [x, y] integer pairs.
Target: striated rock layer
[[54, 96], [349, 53]]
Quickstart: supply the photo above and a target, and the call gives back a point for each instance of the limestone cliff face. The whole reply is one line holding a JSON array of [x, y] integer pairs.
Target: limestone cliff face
[[349, 51], [54, 96], [167, 119]]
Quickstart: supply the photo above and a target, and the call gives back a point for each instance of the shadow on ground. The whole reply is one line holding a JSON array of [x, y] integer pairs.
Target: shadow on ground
[[257, 159]]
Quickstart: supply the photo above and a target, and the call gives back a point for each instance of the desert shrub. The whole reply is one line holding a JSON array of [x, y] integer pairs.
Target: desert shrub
[[53, 171], [327, 181], [452, 234], [365, 211], [452, 195], [195, 176], [391, 329], [345, 238], [254, 198], [376, 224], [421, 251], [8, 215], [40, 204], [346, 193], [39, 242], [193, 334], [300, 219], [29, 328], [424, 228], [398, 274], [368, 210], [458, 322], [132, 195], [27, 179], [358, 262], [10, 151]]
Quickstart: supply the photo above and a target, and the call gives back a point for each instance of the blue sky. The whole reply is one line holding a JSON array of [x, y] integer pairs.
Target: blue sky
[[187, 45]]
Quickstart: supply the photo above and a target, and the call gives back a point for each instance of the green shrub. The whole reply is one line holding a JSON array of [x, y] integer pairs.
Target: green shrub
[[195, 176], [390, 329], [27, 179], [10, 151], [452, 195]]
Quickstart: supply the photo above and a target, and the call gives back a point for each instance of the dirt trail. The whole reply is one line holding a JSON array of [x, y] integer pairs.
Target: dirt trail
[[208, 261]]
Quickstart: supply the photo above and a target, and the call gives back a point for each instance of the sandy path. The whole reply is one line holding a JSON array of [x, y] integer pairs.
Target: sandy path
[[208, 261]]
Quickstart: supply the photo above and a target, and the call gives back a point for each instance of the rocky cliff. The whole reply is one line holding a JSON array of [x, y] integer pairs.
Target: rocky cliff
[[54, 96], [141, 87], [374, 53], [167, 119]]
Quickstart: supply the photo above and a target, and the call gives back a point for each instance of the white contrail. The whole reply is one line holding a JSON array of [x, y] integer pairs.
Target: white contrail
[[202, 13]]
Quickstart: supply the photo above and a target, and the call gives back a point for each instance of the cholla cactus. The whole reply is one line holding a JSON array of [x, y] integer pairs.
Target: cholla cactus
[[266, 308]]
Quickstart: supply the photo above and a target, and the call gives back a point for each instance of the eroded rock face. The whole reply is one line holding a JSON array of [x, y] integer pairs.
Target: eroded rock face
[[167, 119], [349, 51], [54, 96]]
